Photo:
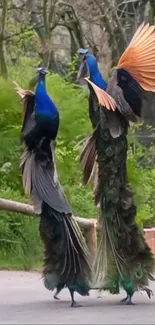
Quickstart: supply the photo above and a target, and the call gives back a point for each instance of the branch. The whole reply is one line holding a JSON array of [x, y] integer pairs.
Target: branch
[[18, 207], [62, 3], [51, 13], [5, 38], [45, 15], [118, 23], [109, 27]]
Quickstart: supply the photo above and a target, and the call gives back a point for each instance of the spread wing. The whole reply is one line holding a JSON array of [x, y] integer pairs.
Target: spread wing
[[117, 93], [135, 73]]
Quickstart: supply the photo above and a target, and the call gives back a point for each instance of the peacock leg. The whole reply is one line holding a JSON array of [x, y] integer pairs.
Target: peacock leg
[[99, 294], [74, 303], [128, 300], [58, 289], [123, 300]]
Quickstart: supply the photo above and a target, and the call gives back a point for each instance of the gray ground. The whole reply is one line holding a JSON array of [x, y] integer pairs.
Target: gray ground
[[24, 300]]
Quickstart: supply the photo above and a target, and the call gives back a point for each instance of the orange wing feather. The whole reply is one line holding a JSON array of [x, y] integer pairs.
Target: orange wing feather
[[139, 60], [139, 57], [104, 98]]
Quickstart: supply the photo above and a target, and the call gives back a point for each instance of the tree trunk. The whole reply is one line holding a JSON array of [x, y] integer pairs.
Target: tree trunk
[[3, 66], [152, 11]]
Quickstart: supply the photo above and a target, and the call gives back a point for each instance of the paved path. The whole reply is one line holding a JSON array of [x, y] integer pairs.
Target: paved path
[[24, 300]]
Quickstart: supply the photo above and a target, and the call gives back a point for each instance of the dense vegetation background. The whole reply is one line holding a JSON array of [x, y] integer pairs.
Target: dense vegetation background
[[20, 245]]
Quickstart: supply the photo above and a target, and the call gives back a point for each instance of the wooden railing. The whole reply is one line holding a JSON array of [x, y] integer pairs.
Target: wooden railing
[[90, 225]]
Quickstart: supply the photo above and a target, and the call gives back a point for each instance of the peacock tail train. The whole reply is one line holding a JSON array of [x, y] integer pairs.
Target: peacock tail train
[[123, 258], [66, 258]]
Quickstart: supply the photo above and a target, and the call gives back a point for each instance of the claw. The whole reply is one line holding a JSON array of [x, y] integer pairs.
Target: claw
[[123, 300], [127, 301], [59, 288], [55, 297], [75, 304], [99, 296]]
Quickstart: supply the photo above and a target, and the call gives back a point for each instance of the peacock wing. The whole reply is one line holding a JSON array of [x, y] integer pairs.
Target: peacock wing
[[117, 94], [28, 99]]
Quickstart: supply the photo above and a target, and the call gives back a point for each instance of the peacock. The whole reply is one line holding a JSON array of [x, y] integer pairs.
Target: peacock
[[66, 259], [123, 259]]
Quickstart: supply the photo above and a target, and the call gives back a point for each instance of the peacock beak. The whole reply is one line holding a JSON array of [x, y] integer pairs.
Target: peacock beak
[[83, 71], [80, 73]]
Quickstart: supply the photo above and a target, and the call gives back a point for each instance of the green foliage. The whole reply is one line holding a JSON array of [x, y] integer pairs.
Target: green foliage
[[19, 237], [142, 181], [72, 70]]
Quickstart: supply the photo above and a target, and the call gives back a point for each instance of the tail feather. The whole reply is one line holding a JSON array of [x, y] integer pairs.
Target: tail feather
[[66, 261], [44, 179], [41, 179], [123, 259], [88, 158], [25, 164]]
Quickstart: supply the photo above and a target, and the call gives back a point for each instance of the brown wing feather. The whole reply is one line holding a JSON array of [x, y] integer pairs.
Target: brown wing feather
[[28, 98], [22, 92], [88, 158]]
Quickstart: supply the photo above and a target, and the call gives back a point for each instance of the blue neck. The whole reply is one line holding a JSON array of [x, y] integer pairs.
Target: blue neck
[[95, 75], [98, 80], [44, 104], [41, 88]]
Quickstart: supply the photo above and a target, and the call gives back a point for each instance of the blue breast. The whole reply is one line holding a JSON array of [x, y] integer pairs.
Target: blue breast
[[95, 75], [44, 104]]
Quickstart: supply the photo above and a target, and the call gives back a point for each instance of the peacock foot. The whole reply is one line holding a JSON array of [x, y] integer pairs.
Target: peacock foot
[[73, 303], [127, 301], [58, 289], [99, 295], [123, 300], [55, 297]]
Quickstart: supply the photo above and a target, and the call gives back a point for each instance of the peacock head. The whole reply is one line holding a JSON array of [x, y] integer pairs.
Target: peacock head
[[41, 72], [83, 71], [89, 66], [40, 75]]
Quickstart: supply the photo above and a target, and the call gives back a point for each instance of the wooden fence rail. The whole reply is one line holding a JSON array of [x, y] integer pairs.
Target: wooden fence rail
[[90, 225]]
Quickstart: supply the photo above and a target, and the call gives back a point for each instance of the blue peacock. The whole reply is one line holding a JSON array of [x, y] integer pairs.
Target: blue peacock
[[66, 259]]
